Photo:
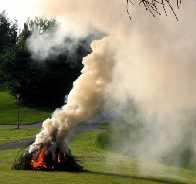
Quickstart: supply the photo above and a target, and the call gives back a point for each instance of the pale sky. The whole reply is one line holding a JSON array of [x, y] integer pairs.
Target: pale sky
[[19, 9]]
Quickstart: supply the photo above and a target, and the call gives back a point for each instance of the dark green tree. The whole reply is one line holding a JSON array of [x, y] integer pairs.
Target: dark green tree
[[8, 32], [46, 82], [8, 39]]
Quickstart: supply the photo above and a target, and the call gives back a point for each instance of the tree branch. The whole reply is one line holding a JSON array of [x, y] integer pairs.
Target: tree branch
[[156, 7]]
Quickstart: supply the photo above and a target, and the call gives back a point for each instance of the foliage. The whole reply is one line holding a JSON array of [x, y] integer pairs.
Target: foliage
[[41, 83], [8, 39], [40, 24], [28, 115], [8, 32]]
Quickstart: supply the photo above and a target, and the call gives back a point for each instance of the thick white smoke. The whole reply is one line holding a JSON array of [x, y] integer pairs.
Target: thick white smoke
[[60, 38], [154, 65], [84, 98], [50, 43]]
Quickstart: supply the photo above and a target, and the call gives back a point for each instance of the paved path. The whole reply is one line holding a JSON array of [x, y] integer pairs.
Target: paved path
[[34, 125], [16, 144], [24, 143]]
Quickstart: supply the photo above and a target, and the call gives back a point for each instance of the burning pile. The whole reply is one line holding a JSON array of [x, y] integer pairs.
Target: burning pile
[[50, 151], [47, 158]]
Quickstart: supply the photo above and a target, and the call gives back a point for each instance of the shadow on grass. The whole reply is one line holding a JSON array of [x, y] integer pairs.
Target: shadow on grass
[[152, 179]]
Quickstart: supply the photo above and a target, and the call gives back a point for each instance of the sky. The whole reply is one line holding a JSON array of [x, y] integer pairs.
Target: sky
[[19, 9]]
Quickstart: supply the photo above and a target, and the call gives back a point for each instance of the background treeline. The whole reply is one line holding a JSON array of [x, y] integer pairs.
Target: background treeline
[[34, 82]]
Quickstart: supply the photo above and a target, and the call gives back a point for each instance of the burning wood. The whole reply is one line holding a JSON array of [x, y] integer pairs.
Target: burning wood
[[47, 158], [39, 162]]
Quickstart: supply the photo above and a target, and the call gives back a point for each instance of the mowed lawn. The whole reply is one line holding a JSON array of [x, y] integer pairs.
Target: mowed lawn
[[104, 167], [9, 111], [10, 135]]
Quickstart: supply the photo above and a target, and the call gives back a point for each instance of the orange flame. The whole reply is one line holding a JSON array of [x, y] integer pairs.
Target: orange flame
[[39, 161]]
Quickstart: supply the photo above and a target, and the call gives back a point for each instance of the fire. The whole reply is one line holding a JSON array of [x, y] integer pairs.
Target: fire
[[48, 159], [39, 161], [51, 158]]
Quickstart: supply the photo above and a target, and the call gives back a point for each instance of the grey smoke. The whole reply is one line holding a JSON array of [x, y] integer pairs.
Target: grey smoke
[[154, 65], [52, 42]]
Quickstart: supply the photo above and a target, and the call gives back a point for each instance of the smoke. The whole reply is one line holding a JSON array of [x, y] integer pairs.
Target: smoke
[[157, 69], [57, 40], [50, 43], [84, 98], [154, 65]]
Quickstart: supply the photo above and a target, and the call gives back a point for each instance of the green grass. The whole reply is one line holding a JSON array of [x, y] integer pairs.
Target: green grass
[[104, 167], [8, 135], [9, 111]]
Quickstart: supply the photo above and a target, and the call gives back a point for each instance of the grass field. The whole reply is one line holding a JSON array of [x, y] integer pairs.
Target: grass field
[[9, 111], [8, 135], [103, 167]]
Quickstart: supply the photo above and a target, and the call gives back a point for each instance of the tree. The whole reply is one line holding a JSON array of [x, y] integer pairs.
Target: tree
[[40, 24], [46, 82], [8, 39], [8, 32]]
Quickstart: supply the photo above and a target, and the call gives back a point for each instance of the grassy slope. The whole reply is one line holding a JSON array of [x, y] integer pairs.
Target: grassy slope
[[9, 110], [8, 135], [105, 167]]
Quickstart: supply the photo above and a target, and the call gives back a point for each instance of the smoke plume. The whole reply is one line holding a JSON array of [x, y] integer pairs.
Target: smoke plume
[[57, 40], [51, 43], [154, 65], [84, 98]]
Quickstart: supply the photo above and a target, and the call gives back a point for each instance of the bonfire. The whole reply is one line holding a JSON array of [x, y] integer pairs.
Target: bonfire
[[48, 158]]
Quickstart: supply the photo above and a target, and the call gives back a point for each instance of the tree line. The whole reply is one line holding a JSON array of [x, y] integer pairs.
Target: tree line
[[30, 81]]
